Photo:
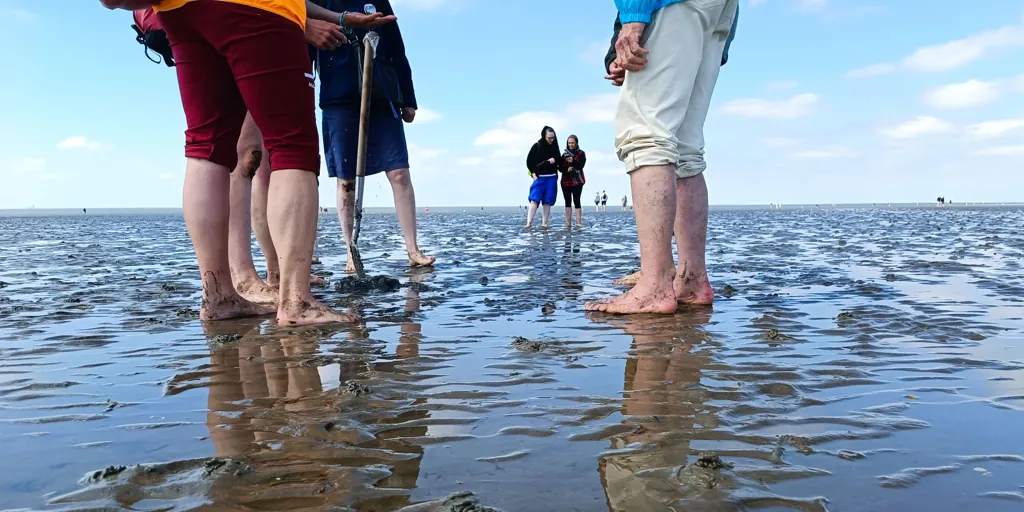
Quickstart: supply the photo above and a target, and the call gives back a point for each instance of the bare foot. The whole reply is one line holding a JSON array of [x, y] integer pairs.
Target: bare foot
[[630, 280], [528, 225], [274, 278], [232, 307], [641, 299], [350, 265], [693, 289], [255, 290], [295, 313], [418, 259]]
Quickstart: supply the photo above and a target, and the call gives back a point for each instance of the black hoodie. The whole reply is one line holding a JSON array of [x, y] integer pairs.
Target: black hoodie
[[537, 161]]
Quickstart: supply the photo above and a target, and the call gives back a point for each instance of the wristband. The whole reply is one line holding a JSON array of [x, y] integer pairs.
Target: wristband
[[341, 19]]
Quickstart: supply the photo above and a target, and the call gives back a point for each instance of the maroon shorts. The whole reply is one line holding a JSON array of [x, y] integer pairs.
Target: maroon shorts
[[233, 58]]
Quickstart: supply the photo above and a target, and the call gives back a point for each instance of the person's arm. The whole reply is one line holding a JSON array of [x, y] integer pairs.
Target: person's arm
[[396, 50], [581, 161], [609, 57], [636, 11], [352, 19], [531, 160]]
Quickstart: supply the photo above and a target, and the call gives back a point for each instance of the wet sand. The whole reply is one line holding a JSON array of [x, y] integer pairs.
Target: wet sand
[[859, 359]]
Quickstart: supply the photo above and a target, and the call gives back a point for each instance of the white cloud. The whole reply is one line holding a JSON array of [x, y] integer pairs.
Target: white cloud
[[1001, 151], [782, 85], [426, 115], [80, 142], [972, 93], [798, 106], [872, 70], [421, 157], [917, 127], [595, 53], [513, 136], [599, 108], [754, 3], [29, 165], [825, 152], [471, 161], [995, 128], [952, 54]]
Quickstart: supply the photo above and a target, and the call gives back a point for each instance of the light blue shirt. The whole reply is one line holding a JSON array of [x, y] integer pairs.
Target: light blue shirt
[[640, 11]]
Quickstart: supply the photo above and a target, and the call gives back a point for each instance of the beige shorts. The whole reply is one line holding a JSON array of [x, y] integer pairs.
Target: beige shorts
[[662, 109]]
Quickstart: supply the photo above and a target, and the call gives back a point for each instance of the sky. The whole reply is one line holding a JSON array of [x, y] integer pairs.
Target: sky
[[822, 101]]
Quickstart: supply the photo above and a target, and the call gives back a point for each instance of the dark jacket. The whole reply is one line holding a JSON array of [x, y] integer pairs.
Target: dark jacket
[[537, 160], [339, 69], [610, 56], [577, 160]]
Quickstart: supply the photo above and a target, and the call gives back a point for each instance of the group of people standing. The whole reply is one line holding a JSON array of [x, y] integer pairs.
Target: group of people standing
[[245, 75], [545, 162], [247, 60]]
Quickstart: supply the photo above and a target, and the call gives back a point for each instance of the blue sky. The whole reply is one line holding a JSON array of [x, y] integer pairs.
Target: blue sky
[[822, 101]]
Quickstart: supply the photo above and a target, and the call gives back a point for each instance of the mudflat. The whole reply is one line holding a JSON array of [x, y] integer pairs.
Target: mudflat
[[855, 359]]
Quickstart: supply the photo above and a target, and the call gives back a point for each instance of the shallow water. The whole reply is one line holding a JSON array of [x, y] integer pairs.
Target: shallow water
[[857, 360]]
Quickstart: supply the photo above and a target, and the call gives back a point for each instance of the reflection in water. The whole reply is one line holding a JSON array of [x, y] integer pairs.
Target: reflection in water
[[868, 356], [662, 403]]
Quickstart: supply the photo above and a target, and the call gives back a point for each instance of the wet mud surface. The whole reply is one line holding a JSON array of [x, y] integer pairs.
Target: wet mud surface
[[854, 360]]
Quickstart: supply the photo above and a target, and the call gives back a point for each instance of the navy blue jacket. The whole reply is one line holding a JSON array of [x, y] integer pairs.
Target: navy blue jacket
[[339, 69]]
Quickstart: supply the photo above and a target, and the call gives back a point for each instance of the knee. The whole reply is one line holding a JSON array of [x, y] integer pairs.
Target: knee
[[400, 178], [250, 157], [346, 186]]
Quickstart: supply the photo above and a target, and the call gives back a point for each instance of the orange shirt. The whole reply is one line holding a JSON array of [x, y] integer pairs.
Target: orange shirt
[[294, 10]]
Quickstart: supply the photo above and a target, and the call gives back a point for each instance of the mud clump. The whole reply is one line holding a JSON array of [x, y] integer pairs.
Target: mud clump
[[728, 291], [892, 277], [225, 339], [354, 388], [775, 335], [96, 476], [318, 361], [801, 444], [226, 466], [484, 280], [845, 316], [548, 308], [3, 285], [459, 502], [168, 287], [187, 313], [526, 345], [353, 284], [712, 462]]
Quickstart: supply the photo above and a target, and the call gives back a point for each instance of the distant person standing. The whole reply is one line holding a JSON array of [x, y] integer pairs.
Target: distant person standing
[[597, 201], [604, 201], [573, 179], [625, 202], [543, 163]]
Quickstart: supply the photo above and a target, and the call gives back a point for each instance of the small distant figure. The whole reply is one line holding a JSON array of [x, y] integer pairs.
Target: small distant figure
[[625, 202], [940, 201], [597, 202], [84, 212], [604, 201]]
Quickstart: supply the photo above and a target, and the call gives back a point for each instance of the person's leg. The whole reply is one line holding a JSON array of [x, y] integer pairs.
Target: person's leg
[[531, 214], [346, 200], [692, 285], [650, 113], [405, 208], [214, 112], [243, 270], [274, 76], [260, 195], [546, 216], [567, 195], [577, 200]]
